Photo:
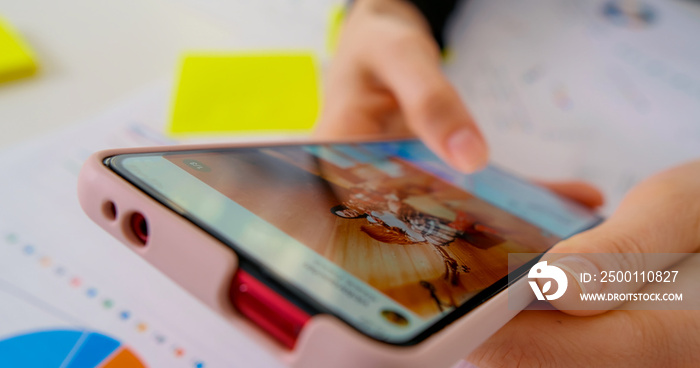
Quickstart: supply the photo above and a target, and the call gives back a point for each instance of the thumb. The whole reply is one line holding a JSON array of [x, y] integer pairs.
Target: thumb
[[656, 223]]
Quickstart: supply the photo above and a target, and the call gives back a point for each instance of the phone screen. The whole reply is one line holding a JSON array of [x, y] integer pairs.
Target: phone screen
[[383, 235]]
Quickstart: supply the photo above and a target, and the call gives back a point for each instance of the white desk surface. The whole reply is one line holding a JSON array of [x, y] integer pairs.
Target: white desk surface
[[92, 54]]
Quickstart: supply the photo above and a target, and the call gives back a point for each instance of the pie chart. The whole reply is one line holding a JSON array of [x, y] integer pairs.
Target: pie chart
[[66, 348]]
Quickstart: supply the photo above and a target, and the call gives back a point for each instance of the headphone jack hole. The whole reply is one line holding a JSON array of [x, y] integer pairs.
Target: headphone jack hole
[[109, 210]]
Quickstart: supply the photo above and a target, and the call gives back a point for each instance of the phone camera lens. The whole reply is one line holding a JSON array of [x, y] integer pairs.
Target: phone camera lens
[[139, 227]]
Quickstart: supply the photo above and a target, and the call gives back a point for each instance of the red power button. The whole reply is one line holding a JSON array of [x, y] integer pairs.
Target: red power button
[[273, 313]]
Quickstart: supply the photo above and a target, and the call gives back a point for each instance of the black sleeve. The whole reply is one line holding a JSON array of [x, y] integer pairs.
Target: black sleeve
[[437, 12]]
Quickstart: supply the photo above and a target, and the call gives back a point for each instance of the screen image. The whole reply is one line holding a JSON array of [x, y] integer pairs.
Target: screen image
[[382, 234]]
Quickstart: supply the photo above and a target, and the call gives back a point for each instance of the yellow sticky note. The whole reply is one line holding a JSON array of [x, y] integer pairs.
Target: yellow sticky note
[[224, 93], [16, 61], [335, 25]]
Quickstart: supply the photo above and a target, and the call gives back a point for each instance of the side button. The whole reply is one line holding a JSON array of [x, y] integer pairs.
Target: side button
[[274, 314]]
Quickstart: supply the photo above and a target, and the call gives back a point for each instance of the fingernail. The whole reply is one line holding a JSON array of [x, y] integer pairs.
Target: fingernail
[[585, 272], [468, 152]]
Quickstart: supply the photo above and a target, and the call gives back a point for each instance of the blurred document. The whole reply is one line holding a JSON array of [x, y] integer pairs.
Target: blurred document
[[603, 90], [70, 294]]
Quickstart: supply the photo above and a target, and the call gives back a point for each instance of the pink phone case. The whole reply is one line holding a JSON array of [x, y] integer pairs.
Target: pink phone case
[[205, 267]]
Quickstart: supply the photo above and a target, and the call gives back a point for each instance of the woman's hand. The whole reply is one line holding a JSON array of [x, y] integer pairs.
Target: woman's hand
[[660, 215], [386, 80]]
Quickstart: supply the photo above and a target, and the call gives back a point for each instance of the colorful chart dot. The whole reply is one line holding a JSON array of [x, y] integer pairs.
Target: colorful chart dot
[[11, 238], [87, 352], [141, 327], [45, 261], [179, 352]]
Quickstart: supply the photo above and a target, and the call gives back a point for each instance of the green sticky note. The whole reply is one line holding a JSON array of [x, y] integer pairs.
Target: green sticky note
[[16, 60], [246, 93]]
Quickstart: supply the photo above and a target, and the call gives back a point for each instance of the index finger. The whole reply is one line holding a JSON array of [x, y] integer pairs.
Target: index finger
[[410, 67]]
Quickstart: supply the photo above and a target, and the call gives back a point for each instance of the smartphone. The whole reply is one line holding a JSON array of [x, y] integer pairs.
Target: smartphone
[[383, 238]]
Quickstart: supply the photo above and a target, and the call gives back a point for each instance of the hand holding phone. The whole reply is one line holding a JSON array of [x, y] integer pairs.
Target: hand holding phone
[[377, 251]]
